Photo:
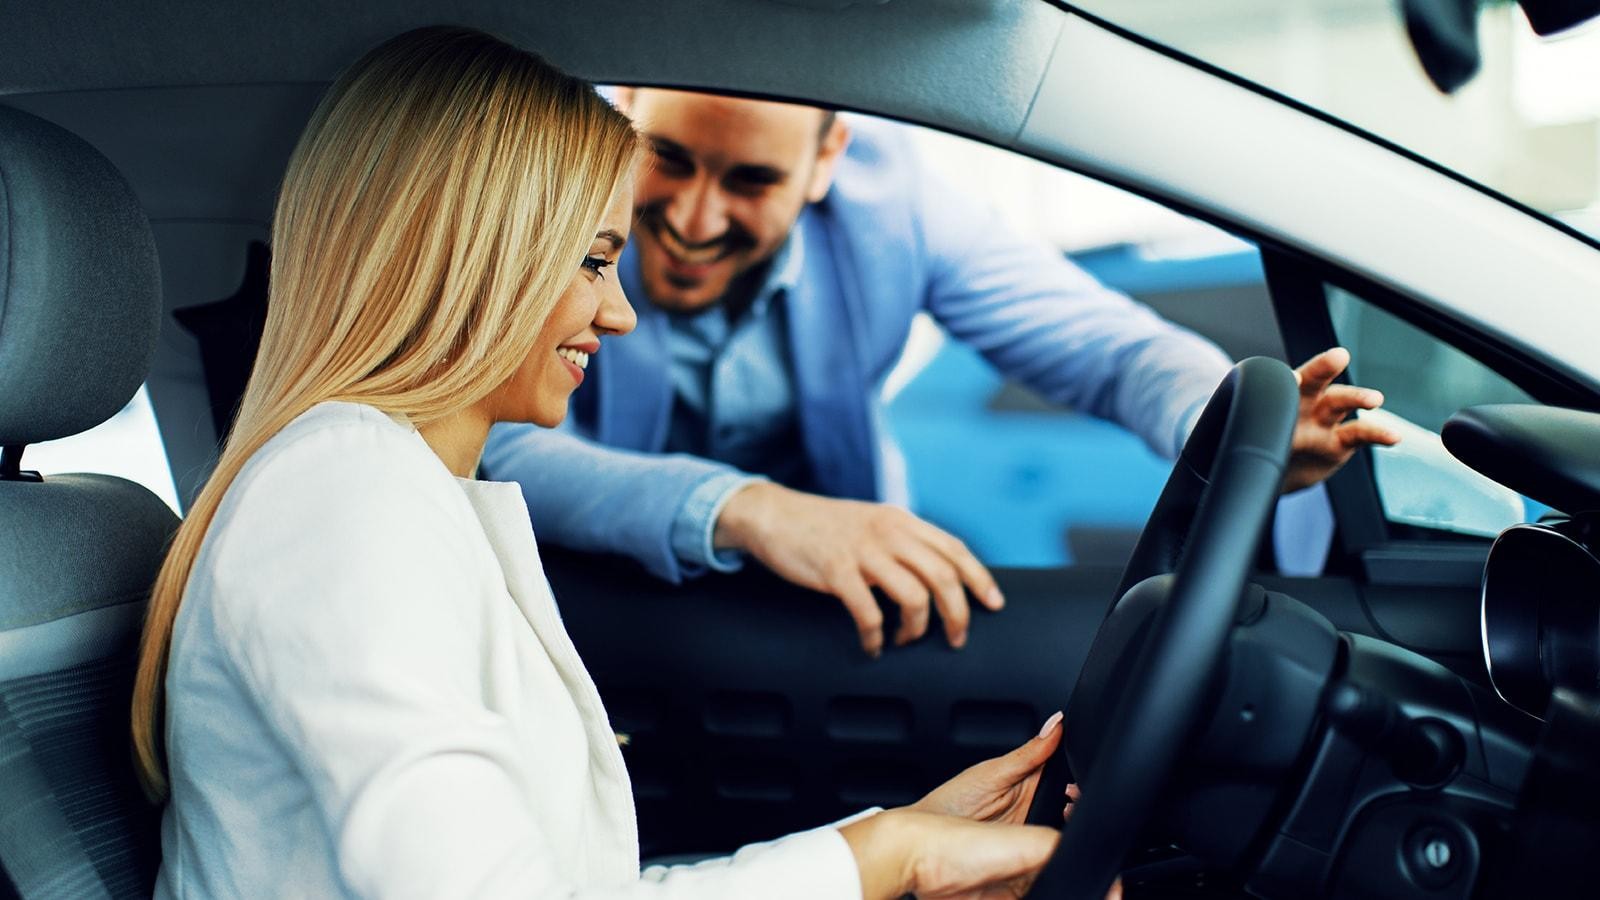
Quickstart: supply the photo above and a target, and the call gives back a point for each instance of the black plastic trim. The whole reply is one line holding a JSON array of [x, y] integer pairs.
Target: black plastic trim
[[1300, 303], [1426, 563]]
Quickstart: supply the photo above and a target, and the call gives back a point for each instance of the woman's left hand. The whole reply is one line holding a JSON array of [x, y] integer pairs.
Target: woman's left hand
[[999, 789]]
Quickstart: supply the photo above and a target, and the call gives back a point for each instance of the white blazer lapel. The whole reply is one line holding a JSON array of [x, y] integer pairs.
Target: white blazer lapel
[[504, 515]]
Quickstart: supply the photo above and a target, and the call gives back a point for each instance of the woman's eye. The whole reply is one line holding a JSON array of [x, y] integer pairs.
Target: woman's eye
[[597, 264]]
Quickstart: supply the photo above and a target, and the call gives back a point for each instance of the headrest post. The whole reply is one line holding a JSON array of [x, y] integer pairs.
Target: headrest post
[[11, 465]]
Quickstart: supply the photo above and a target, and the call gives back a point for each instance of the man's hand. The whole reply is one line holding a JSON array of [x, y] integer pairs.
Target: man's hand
[[847, 547], [1326, 436]]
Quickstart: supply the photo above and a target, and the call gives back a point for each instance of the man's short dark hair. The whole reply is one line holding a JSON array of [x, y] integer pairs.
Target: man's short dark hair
[[828, 116]]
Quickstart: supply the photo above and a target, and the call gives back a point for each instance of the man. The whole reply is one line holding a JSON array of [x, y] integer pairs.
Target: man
[[776, 267]]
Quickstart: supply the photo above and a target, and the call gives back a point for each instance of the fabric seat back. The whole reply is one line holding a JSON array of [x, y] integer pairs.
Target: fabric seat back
[[80, 306]]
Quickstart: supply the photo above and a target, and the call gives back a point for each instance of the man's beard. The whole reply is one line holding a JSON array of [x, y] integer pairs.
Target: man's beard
[[733, 241]]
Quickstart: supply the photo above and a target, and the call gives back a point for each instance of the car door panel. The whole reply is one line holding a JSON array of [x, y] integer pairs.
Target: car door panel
[[751, 710]]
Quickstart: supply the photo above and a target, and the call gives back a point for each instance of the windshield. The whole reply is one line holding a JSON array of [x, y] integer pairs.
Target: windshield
[[1528, 125]]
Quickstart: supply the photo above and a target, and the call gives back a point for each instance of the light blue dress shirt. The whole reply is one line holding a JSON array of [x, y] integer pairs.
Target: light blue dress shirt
[[734, 402], [888, 242]]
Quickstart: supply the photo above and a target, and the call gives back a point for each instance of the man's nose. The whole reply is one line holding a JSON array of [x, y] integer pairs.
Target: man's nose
[[698, 212], [615, 314]]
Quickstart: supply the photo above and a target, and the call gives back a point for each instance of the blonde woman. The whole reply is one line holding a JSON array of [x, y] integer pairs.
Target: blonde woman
[[354, 680]]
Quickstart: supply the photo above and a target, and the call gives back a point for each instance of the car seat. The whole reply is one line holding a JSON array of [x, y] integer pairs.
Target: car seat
[[80, 306]]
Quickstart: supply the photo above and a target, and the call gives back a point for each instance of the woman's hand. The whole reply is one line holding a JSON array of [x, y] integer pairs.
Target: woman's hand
[[999, 789], [903, 851], [938, 857]]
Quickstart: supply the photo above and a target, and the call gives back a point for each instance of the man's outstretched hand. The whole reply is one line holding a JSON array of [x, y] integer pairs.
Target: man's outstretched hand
[[847, 547], [1327, 434]]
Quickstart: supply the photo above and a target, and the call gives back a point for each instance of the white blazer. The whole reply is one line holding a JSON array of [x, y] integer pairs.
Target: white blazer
[[371, 694]]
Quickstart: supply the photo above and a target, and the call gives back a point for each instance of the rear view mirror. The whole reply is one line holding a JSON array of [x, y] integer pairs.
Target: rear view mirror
[[1445, 32]]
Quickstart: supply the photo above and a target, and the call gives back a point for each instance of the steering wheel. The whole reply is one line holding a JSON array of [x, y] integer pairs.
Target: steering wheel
[[1147, 682]]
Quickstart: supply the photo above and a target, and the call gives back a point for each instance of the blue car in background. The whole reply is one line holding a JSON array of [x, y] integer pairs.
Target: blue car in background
[[1030, 485]]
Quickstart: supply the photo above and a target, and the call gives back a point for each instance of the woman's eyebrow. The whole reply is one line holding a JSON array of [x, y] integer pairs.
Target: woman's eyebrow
[[614, 236]]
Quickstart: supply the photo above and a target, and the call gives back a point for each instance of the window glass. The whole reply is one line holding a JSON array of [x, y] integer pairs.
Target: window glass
[[1025, 483], [1424, 382], [127, 445]]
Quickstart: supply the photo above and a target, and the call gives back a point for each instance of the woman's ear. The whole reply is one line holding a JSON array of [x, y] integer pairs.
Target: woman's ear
[[829, 151]]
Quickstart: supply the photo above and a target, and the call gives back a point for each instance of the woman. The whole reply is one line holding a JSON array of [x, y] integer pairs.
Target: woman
[[353, 678]]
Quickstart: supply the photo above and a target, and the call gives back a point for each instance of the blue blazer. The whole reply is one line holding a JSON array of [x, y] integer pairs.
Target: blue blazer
[[889, 241]]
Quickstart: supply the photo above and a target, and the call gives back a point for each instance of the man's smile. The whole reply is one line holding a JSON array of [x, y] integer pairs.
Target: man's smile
[[684, 258]]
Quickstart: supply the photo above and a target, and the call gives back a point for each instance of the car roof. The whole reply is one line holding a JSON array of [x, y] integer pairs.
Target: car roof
[[970, 65], [1030, 75]]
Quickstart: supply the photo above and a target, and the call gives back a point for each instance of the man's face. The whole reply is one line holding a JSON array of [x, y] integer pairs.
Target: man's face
[[726, 181]]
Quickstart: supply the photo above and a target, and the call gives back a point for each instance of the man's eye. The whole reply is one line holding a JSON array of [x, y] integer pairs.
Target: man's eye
[[597, 264], [751, 183], [674, 166]]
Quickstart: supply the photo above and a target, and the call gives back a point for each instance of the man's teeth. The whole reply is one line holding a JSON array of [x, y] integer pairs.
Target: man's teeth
[[698, 257], [576, 357], [690, 257]]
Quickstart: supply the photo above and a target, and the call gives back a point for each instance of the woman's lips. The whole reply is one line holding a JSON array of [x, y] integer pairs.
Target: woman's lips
[[573, 370], [576, 357]]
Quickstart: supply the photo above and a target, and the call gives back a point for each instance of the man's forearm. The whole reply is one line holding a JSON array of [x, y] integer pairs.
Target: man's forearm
[[591, 497]]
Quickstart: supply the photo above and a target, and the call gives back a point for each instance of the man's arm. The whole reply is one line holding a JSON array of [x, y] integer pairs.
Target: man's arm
[[590, 497], [665, 511], [1050, 325]]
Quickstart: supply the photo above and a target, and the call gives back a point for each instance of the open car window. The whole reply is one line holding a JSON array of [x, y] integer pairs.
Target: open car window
[[1023, 482]]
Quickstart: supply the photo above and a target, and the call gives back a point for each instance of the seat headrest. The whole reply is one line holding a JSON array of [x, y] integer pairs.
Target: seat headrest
[[80, 286]]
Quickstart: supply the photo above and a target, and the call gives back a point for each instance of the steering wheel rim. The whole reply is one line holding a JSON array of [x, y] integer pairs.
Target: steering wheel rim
[[1204, 529]]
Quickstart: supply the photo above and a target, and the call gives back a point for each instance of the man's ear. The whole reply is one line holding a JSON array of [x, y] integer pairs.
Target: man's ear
[[622, 98], [829, 151]]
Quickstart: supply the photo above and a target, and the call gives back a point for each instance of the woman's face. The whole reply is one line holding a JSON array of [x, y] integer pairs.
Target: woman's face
[[591, 306]]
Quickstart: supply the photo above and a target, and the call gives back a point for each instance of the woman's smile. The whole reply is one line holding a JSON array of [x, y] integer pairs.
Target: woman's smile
[[576, 357]]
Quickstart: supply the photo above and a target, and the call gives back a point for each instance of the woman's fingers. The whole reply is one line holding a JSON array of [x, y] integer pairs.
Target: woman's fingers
[[958, 858], [1073, 793]]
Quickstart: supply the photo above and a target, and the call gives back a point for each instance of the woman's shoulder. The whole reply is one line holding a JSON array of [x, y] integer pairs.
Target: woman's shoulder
[[342, 447], [342, 500], [343, 469]]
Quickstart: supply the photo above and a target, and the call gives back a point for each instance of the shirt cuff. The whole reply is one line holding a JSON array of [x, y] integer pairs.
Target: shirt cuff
[[696, 524], [1187, 423]]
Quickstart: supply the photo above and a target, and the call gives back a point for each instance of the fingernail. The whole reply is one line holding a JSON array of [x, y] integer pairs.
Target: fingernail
[[1050, 725], [1074, 792], [994, 598]]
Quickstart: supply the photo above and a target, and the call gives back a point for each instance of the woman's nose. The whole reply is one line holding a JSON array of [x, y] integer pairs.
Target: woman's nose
[[615, 314]]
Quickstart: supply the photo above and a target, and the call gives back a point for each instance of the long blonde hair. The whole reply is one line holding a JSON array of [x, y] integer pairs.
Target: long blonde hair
[[437, 205]]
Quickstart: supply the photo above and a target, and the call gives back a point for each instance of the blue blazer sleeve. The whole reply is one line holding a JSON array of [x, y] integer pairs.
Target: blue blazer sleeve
[[590, 497], [1047, 323]]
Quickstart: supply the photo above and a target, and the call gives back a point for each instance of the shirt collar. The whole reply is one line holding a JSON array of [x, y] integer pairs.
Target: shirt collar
[[784, 272]]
